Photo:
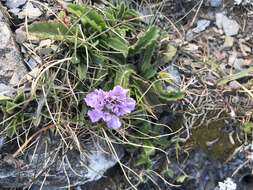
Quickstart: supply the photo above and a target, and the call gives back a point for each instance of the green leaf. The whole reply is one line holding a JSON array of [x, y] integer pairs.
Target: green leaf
[[143, 159], [181, 179], [82, 71], [118, 45], [4, 98], [121, 11], [52, 30], [123, 76], [149, 149], [88, 16], [20, 97], [169, 53], [165, 76], [12, 127], [145, 39], [150, 99], [247, 127], [241, 74], [10, 106], [168, 95], [147, 69], [168, 172]]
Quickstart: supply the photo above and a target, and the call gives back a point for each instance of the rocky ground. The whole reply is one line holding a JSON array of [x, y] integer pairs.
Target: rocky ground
[[211, 44]]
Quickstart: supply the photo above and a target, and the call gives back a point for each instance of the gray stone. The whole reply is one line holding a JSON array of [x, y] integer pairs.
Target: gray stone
[[229, 26], [15, 3], [12, 68], [48, 164], [201, 25], [243, 2], [216, 3], [30, 10]]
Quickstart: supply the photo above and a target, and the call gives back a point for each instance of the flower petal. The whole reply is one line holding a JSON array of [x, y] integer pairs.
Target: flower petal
[[119, 92], [95, 115], [114, 122], [95, 99]]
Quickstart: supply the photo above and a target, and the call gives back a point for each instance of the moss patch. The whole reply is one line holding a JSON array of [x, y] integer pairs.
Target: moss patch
[[213, 140]]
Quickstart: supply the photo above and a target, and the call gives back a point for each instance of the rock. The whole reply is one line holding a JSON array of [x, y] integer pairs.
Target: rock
[[229, 42], [12, 69], [243, 2], [216, 3], [56, 168], [228, 184], [14, 3], [201, 26], [229, 26], [30, 11]]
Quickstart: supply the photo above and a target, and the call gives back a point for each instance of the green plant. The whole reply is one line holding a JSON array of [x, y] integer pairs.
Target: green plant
[[99, 49]]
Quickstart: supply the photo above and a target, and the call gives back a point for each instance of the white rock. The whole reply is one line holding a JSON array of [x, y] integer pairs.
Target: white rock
[[12, 68], [238, 2], [219, 19], [229, 42], [229, 26], [15, 3], [30, 11], [201, 26], [216, 3], [243, 2], [15, 11], [98, 165], [228, 184]]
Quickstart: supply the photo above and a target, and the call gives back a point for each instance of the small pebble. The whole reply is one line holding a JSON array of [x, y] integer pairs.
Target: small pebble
[[229, 42]]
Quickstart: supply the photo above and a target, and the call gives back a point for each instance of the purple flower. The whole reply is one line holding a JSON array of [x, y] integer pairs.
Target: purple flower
[[109, 106]]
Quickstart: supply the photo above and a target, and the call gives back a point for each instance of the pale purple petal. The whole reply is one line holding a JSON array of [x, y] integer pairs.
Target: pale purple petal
[[129, 105], [95, 99], [119, 92], [113, 123], [95, 115]]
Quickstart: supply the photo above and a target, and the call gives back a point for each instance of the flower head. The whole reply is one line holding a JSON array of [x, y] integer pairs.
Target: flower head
[[109, 106]]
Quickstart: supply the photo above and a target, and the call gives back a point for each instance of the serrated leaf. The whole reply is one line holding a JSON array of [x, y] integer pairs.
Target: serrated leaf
[[123, 76], [88, 16], [168, 95], [52, 30], [118, 45], [121, 11], [169, 53], [165, 76], [147, 69], [145, 39]]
